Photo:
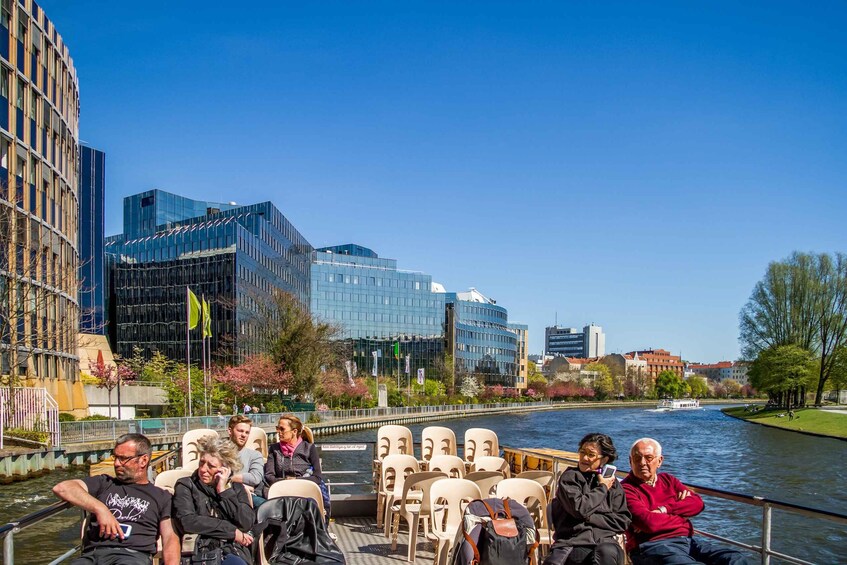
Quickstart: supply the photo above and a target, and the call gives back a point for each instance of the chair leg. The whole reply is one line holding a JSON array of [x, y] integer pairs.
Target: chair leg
[[380, 502], [413, 537]]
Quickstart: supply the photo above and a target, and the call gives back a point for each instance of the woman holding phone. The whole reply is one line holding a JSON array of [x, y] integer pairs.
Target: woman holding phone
[[589, 510], [209, 504]]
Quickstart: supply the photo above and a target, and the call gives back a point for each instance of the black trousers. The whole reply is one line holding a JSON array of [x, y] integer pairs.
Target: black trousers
[[606, 553], [113, 556]]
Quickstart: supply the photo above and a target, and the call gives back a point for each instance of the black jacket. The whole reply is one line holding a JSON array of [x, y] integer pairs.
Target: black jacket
[[303, 463], [585, 512], [198, 509], [295, 532]]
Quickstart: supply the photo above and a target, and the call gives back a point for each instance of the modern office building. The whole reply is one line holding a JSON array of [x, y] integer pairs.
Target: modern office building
[[376, 306], [91, 246], [234, 256], [479, 339], [39, 140], [521, 331], [570, 342]]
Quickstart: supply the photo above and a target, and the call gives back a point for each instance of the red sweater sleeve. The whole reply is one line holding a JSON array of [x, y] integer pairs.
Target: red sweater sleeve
[[646, 521], [691, 506]]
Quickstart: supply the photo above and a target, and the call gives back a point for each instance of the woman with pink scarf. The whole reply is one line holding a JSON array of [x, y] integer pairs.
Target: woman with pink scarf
[[295, 456]]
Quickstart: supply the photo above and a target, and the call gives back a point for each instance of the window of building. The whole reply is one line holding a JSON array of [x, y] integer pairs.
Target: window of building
[[19, 95]]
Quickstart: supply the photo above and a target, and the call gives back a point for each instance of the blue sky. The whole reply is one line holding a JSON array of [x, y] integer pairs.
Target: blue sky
[[632, 165]]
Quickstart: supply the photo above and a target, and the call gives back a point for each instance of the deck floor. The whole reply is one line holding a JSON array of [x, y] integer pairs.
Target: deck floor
[[363, 543]]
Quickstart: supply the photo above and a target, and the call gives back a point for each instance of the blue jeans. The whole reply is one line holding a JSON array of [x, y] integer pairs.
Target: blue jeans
[[685, 551]]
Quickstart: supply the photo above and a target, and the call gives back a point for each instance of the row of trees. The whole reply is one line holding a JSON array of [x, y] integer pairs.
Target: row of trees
[[794, 327]]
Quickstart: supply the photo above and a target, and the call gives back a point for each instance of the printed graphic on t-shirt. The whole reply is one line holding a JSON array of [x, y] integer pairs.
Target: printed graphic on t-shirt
[[126, 508]]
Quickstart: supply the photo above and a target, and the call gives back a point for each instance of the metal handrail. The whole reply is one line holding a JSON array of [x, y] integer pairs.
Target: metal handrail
[[768, 505]]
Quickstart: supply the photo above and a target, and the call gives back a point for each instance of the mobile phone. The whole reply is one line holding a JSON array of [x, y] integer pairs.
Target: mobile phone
[[608, 471], [126, 529]]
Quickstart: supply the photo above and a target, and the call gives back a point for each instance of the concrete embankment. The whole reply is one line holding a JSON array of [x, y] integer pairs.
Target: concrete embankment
[[26, 464]]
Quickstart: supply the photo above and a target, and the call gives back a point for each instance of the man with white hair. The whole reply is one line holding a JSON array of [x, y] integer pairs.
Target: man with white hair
[[661, 532]]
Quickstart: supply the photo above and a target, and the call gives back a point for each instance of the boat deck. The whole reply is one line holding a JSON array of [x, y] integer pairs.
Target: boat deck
[[363, 543]]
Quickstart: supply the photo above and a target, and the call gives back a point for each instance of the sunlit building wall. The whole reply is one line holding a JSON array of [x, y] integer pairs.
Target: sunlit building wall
[[39, 160]]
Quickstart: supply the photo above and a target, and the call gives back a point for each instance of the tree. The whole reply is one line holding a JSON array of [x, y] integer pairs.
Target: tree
[[470, 387], [296, 341], [783, 372], [257, 372], [670, 385], [110, 377], [838, 373], [733, 388], [698, 386], [801, 301], [603, 384]]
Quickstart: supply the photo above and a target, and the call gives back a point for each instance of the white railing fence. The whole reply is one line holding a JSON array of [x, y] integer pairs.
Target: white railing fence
[[29, 410]]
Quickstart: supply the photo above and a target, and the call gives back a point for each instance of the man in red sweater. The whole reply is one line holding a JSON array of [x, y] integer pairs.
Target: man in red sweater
[[661, 532]]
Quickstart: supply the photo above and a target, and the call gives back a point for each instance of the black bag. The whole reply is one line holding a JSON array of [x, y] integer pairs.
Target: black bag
[[502, 538], [207, 557]]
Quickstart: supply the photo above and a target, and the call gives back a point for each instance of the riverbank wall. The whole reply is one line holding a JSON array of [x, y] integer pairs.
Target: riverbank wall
[[29, 463]]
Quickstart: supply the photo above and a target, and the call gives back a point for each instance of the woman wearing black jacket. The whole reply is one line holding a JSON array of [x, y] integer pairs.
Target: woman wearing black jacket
[[589, 511], [208, 504]]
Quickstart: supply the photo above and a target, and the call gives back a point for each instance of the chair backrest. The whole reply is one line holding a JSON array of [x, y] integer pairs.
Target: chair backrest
[[530, 494], [258, 440], [450, 464], [480, 442], [485, 480], [437, 440], [448, 495], [543, 478], [297, 487], [190, 455], [392, 440], [420, 482], [395, 469], [167, 479], [489, 463]]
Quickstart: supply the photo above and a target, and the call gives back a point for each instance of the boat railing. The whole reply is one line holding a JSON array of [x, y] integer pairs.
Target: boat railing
[[764, 549], [10, 530]]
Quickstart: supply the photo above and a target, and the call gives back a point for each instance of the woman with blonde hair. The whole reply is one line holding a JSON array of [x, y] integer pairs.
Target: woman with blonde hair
[[208, 503]]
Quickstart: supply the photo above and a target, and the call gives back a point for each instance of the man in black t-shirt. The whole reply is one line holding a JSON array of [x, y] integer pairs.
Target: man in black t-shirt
[[127, 512]]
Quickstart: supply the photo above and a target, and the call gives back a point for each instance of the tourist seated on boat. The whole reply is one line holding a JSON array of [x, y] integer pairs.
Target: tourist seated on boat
[[589, 512], [252, 463], [210, 504], [294, 457], [127, 512], [661, 506]]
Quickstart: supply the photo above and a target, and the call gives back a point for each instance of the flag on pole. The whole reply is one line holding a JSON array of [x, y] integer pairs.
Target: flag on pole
[[408, 368], [207, 319], [397, 350], [193, 310]]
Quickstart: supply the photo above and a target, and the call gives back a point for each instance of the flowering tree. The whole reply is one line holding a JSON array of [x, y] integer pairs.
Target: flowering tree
[[256, 372], [110, 376], [470, 387]]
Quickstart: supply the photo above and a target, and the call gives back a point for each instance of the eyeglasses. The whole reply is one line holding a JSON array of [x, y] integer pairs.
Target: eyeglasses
[[124, 459], [589, 454], [647, 458], [283, 430]]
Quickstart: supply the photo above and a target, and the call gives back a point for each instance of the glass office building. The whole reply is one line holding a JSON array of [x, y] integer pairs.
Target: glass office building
[[39, 205], [376, 305], [235, 256], [480, 340], [92, 186]]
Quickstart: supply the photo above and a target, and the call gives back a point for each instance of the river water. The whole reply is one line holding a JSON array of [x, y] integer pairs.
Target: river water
[[701, 447]]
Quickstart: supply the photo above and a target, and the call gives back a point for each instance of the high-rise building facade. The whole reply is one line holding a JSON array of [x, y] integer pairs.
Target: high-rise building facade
[[376, 306], [479, 338], [92, 190], [39, 140], [570, 342], [234, 256], [521, 331]]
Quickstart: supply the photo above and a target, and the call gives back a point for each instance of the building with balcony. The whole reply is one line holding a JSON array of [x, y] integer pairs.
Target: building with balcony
[[479, 339], [234, 256], [39, 205], [376, 306], [658, 360]]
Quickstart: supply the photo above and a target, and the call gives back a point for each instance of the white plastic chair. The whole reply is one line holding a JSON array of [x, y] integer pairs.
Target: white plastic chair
[[486, 481], [437, 440], [489, 463], [190, 454], [413, 506], [448, 499], [532, 496], [480, 442], [297, 487], [450, 464], [258, 440], [167, 479], [543, 478], [395, 468]]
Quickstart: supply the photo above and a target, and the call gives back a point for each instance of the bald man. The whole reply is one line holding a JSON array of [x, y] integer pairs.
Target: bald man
[[661, 532]]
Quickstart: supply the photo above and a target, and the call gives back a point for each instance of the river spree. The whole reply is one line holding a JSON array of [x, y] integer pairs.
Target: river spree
[[701, 447]]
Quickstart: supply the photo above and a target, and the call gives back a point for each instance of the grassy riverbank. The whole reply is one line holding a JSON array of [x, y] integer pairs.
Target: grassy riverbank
[[806, 420]]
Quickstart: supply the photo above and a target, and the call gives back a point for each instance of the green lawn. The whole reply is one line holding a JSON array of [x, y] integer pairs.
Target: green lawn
[[806, 420]]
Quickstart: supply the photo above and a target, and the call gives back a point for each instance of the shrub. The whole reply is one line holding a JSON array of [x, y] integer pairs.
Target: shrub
[[313, 418], [95, 417], [66, 417], [31, 435]]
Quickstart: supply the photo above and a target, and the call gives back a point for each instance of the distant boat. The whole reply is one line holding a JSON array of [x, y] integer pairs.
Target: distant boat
[[669, 404]]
